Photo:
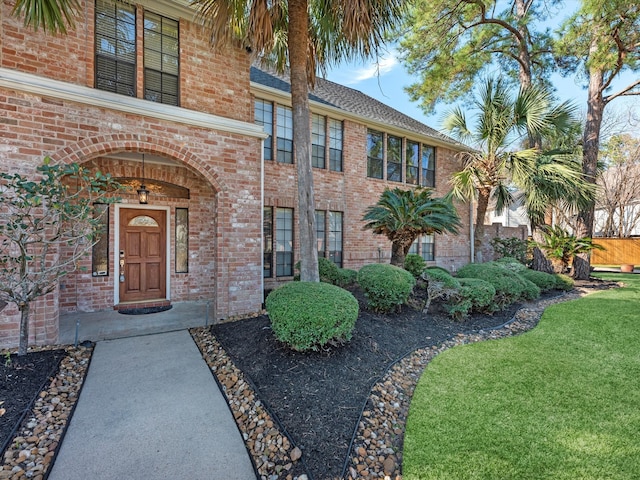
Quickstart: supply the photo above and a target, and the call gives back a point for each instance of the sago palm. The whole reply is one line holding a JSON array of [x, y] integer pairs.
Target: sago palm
[[404, 215], [502, 122]]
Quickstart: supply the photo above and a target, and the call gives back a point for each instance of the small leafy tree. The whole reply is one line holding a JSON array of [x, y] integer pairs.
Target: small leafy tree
[[404, 215], [39, 218]]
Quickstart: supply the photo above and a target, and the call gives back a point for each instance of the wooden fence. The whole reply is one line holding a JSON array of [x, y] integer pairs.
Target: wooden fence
[[617, 251]]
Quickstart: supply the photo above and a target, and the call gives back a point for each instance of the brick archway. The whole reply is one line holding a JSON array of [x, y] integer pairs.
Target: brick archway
[[92, 147]]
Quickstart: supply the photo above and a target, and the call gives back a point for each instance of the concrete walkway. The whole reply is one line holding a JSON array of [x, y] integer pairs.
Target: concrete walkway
[[150, 408]]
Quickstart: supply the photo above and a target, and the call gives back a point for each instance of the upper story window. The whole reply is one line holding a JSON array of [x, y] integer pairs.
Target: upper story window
[[117, 50], [326, 135], [284, 128], [263, 115], [412, 152], [335, 145], [394, 158], [318, 140], [161, 59], [428, 166], [116, 47], [417, 161], [375, 154]]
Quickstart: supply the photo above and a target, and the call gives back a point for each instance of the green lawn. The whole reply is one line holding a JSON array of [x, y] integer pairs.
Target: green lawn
[[559, 402]]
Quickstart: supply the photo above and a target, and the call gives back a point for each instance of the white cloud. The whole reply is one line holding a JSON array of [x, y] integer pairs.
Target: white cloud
[[350, 75]]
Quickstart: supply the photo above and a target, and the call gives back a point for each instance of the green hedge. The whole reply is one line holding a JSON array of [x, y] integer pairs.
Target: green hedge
[[414, 264], [545, 281], [510, 287], [330, 273], [309, 315], [385, 286], [564, 282], [473, 295]]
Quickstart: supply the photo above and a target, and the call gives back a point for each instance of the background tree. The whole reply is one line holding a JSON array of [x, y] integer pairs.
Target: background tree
[[502, 121], [450, 45], [40, 218], [302, 37], [404, 215], [618, 200], [602, 39]]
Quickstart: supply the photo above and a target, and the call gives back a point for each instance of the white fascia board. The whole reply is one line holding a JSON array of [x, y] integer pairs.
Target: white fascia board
[[274, 94], [33, 84], [170, 8]]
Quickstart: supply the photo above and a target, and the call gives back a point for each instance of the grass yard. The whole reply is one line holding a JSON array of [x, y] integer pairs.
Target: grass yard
[[559, 402]]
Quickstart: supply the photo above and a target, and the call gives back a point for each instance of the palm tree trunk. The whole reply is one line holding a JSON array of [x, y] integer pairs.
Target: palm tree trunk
[[397, 254], [481, 211], [591, 145], [298, 41]]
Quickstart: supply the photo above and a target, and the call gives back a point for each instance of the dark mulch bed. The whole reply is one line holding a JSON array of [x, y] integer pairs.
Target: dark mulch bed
[[318, 396], [21, 379]]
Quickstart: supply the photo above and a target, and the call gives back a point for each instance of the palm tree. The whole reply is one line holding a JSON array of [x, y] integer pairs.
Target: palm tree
[[404, 215], [501, 122], [302, 37], [52, 16]]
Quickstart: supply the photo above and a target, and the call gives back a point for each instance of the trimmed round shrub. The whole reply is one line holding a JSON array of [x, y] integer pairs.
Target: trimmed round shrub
[[329, 273], [544, 281], [473, 295], [440, 275], [510, 287], [510, 263], [347, 277], [385, 286], [309, 315], [414, 264], [438, 268], [564, 282]]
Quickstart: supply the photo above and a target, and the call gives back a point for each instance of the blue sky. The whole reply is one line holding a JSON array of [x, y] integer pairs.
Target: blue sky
[[386, 81]]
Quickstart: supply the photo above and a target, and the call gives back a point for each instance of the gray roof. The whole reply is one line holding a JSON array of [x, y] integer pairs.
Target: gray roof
[[354, 102]]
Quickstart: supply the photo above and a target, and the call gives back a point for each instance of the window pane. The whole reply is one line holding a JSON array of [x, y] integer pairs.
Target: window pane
[[412, 159], [284, 242], [161, 59], [394, 158], [320, 233], [428, 166], [263, 115], [375, 152], [267, 242], [284, 128], [335, 237], [427, 247], [115, 47], [318, 140], [335, 145]]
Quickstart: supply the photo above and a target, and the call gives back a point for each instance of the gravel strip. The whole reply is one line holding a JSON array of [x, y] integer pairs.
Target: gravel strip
[[35, 446]]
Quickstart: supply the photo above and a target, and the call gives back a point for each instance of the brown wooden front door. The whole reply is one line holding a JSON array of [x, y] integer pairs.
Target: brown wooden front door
[[143, 249]]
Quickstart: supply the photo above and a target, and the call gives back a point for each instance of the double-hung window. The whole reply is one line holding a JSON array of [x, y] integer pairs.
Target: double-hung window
[[412, 152], [335, 145], [424, 246], [161, 59], [335, 238], [375, 154], [284, 140], [263, 115], [318, 140], [284, 242], [116, 47], [428, 166], [394, 158]]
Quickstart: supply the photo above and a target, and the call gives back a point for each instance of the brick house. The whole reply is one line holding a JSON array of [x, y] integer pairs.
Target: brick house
[[136, 91]]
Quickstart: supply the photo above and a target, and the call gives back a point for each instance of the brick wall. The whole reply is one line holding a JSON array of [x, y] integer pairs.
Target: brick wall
[[497, 230]]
